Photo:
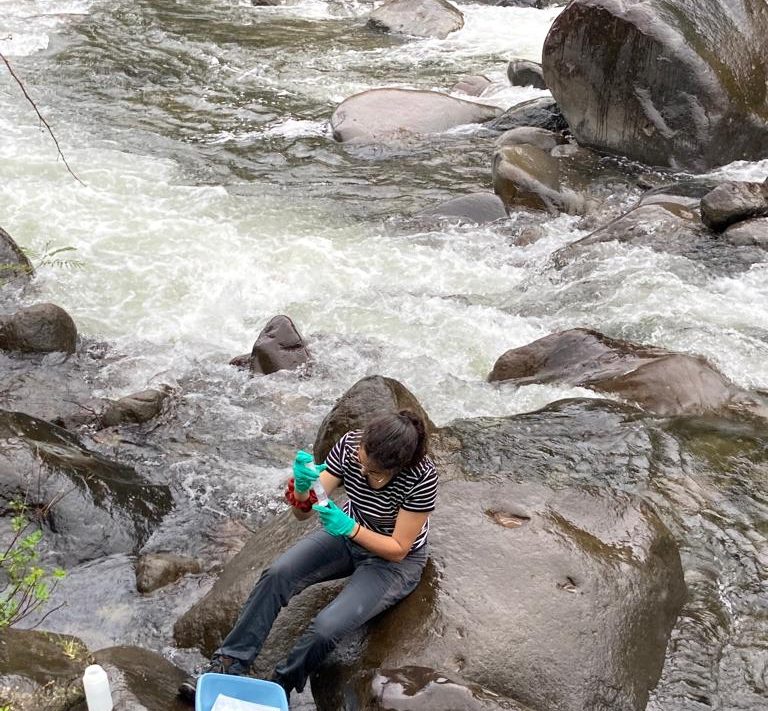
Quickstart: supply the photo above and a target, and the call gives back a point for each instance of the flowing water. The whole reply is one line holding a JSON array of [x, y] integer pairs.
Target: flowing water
[[215, 198]]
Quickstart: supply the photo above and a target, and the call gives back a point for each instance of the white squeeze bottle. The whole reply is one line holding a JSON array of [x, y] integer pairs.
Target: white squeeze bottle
[[98, 696]]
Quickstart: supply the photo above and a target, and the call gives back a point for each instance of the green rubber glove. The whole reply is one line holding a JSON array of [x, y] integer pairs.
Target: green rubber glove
[[305, 471], [334, 520]]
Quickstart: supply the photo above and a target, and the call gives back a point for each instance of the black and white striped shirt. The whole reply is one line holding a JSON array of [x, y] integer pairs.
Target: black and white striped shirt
[[413, 489]]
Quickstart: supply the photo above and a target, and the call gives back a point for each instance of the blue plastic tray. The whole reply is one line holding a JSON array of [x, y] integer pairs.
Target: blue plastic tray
[[257, 691]]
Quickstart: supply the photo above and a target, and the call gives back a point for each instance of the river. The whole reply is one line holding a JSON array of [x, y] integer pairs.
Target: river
[[215, 198]]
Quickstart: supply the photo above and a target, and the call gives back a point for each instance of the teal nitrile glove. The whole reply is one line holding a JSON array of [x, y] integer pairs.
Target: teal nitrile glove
[[305, 471], [334, 520]]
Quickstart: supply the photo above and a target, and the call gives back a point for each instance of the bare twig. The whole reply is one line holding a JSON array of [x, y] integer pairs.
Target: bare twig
[[40, 116]]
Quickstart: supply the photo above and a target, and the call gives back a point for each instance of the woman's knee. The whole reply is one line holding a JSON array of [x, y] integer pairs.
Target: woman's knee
[[328, 627]]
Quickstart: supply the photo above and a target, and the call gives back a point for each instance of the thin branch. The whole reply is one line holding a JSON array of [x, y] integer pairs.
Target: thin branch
[[40, 116]]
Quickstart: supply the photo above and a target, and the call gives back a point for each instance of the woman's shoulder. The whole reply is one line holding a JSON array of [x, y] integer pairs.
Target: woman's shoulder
[[425, 469]]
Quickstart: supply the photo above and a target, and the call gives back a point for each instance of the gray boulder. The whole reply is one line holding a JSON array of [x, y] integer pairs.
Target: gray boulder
[[279, 346], [369, 396], [135, 408], [42, 328], [477, 208], [546, 594], [524, 72], [525, 176], [663, 224], [540, 138], [156, 570], [386, 114], [748, 233], [97, 506], [540, 113], [473, 85], [14, 264], [667, 82], [657, 380], [734, 202], [418, 18]]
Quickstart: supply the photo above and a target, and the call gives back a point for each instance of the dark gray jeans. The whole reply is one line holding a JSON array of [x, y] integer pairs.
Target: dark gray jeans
[[375, 584]]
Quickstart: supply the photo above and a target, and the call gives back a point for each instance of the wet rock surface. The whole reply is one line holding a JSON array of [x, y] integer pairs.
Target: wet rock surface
[[540, 113], [748, 233], [41, 670], [524, 72], [478, 208], [734, 202], [525, 176], [385, 114], [14, 264], [97, 506], [156, 570], [656, 379], [667, 82], [135, 408], [671, 224], [279, 346], [42, 328], [368, 397], [140, 680], [580, 613], [473, 85], [418, 18]]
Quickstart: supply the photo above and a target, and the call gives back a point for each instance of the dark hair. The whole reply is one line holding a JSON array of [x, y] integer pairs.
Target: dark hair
[[396, 440]]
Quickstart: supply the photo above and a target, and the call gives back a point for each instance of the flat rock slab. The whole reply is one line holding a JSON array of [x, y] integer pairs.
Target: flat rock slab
[[382, 114]]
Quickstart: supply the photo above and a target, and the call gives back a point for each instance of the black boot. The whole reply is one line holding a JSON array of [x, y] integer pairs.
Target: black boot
[[219, 664]]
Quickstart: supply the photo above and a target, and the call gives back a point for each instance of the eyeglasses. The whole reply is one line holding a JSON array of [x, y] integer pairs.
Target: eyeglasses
[[363, 457]]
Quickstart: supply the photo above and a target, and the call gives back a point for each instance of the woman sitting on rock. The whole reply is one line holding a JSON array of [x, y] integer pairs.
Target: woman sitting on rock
[[379, 539]]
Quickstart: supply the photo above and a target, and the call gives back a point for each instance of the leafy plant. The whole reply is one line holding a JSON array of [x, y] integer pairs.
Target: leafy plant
[[29, 585], [50, 256]]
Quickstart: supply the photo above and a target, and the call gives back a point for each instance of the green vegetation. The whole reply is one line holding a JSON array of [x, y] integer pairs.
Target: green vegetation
[[29, 586]]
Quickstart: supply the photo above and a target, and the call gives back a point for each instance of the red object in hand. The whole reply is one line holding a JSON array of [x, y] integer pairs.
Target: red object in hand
[[304, 506]]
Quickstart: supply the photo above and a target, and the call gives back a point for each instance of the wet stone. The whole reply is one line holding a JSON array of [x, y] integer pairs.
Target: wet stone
[[42, 328], [523, 72], [418, 18], [368, 397]]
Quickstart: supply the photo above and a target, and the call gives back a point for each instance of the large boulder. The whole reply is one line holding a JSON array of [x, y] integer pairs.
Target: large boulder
[[95, 506], [370, 396], [543, 592], [14, 264], [419, 18], [42, 328], [279, 346], [386, 114], [734, 202], [667, 82], [658, 380], [41, 670]]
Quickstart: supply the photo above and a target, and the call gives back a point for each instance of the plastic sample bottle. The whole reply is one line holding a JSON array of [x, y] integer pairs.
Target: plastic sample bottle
[[322, 497], [98, 695]]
